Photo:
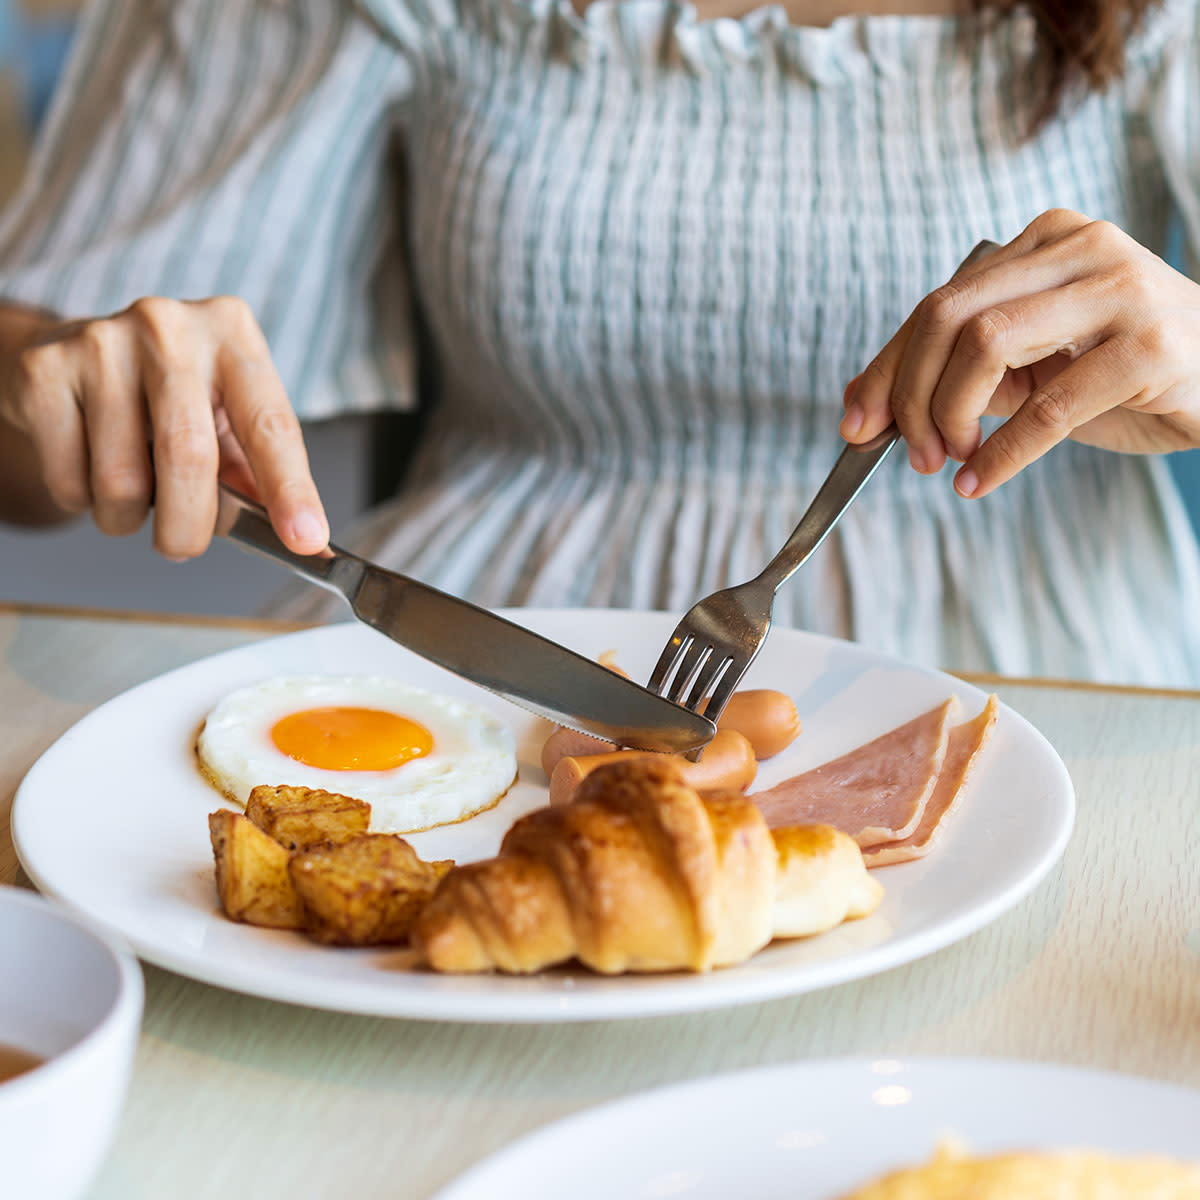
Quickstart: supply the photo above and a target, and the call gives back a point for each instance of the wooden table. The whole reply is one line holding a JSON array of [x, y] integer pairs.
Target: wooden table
[[235, 1096]]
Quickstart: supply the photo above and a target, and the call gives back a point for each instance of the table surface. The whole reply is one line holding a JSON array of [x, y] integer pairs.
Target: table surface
[[237, 1096]]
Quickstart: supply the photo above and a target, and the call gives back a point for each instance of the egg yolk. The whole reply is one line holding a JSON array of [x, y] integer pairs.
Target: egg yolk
[[351, 739]]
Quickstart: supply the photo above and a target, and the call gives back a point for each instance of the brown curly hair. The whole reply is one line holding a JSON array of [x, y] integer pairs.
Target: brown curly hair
[[1080, 43]]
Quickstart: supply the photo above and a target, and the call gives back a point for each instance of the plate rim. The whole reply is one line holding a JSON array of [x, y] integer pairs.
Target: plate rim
[[667, 994], [465, 1184]]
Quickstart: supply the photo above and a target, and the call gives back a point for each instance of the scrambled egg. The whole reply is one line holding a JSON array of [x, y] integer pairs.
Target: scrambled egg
[[1067, 1175]]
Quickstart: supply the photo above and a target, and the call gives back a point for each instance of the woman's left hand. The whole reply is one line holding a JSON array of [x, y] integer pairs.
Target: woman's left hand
[[1072, 330]]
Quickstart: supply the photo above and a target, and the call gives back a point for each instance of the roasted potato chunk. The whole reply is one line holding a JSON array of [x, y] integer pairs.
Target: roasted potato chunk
[[299, 817], [363, 892], [252, 873]]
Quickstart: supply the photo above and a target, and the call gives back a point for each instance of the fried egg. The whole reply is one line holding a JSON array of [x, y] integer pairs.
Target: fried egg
[[418, 758]]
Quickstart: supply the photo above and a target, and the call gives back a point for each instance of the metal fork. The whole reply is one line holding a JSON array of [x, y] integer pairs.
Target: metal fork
[[720, 636]]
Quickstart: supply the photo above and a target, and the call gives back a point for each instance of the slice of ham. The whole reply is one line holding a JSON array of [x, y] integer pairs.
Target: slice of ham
[[966, 742], [876, 793]]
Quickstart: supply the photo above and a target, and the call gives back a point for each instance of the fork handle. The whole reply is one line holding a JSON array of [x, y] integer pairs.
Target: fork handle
[[855, 465], [852, 469]]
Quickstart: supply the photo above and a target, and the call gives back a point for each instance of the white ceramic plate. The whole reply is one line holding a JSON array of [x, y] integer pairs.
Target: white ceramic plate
[[112, 820], [815, 1130]]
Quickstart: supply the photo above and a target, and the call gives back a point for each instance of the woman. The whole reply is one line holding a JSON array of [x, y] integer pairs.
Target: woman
[[649, 245]]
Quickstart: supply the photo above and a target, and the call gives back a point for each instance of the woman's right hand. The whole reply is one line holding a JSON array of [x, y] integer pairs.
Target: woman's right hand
[[150, 407]]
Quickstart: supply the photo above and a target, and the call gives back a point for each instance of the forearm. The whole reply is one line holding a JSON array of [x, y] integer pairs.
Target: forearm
[[23, 496]]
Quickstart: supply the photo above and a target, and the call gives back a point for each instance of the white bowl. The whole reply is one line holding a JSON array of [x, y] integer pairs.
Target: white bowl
[[72, 996]]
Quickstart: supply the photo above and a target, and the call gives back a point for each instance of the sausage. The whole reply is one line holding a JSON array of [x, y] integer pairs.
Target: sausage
[[570, 743], [727, 762], [766, 718], [564, 741]]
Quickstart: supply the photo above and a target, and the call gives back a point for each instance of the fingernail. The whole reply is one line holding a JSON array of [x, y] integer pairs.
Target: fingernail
[[916, 459], [308, 529], [852, 422], [966, 482]]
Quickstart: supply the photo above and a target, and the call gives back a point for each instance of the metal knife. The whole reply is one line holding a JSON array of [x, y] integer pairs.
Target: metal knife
[[478, 645]]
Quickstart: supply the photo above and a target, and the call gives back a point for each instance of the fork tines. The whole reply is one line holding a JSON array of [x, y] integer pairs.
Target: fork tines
[[699, 664]]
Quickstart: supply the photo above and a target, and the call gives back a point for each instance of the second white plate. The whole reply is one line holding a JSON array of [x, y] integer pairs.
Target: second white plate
[[112, 821], [816, 1130]]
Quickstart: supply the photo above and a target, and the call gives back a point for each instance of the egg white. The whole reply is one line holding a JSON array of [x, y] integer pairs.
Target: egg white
[[472, 764]]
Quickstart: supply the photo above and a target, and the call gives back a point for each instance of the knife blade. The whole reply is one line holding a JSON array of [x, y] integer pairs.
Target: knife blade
[[479, 645]]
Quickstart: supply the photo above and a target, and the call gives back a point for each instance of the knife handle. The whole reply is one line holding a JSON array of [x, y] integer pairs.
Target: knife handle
[[242, 521]]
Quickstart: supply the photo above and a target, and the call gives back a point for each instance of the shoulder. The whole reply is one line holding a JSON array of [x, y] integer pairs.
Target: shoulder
[[1169, 27]]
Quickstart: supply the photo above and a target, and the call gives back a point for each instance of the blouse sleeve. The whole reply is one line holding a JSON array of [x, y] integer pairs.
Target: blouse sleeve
[[245, 147], [1173, 113]]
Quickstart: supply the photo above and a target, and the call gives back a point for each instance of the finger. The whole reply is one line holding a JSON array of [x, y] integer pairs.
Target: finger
[[268, 431], [869, 408], [973, 301], [867, 399], [45, 406], [1046, 228], [175, 368], [186, 459], [174, 362], [235, 466], [120, 471], [899, 381], [853, 419], [1092, 385], [1069, 321]]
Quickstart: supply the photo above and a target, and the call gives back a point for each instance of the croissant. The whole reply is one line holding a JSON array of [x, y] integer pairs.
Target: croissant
[[640, 872]]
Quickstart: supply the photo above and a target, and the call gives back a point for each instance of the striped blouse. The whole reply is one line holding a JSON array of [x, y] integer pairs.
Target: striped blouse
[[645, 252]]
